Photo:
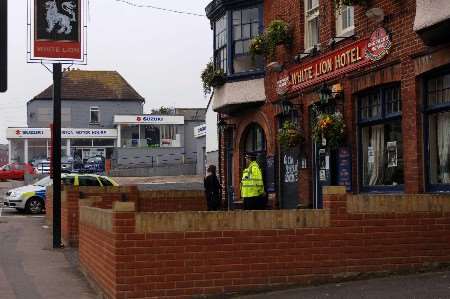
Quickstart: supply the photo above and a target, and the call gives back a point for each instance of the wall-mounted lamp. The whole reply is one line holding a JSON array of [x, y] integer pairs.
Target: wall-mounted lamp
[[275, 67], [222, 125], [326, 93], [314, 51]]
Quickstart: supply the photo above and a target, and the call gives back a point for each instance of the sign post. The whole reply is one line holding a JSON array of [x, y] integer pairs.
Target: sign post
[[3, 45], [56, 35], [56, 155]]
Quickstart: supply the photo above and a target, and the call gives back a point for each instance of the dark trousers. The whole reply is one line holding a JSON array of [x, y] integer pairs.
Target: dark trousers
[[255, 203], [213, 201]]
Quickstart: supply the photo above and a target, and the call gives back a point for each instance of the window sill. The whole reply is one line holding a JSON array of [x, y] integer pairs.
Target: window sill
[[383, 189], [246, 76], [342, 35]]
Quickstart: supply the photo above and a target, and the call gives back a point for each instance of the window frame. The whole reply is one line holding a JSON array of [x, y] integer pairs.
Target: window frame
[[344, 32], [94, 109], [225, 46], [382, 119], [230, 73], [311, 14], [428, 111]]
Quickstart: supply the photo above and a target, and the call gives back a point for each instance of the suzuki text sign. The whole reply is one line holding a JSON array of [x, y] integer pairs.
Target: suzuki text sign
[[335, 63], [57, 29]]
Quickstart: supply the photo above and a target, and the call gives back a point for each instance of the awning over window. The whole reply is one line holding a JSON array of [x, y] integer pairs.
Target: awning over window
[[239, 94], [432, 20]]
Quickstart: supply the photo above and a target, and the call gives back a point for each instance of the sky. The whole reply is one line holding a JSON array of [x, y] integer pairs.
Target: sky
[[160, 54]]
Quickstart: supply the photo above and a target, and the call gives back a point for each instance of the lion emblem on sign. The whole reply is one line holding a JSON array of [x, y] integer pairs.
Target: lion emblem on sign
[[54, 17]]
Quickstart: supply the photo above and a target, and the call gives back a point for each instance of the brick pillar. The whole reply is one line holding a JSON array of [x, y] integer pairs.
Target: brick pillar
[[335, 200], [412, 132], [123, 230]]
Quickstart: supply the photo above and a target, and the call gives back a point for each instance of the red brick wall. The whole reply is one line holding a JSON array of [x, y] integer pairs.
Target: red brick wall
[[97, 250], [147, 201], [180, 265], [171, 201]]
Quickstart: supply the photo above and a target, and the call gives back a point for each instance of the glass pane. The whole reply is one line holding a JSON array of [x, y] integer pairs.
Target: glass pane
[[439, 90], [439, 145], [246, 46], [254, 15], [237, 17], [237, 33], [313, 32], [255, 29], [246, 31], [238, 48], [382, 151], [246, 16]]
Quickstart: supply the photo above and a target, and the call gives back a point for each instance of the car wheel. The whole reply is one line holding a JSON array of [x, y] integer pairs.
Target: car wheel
[[34, 205]]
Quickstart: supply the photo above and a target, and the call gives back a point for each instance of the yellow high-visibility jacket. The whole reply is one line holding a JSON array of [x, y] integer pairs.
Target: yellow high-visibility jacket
[[252, 183]]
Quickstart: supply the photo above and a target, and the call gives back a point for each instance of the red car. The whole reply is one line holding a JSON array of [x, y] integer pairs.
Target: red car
[[16, 171]]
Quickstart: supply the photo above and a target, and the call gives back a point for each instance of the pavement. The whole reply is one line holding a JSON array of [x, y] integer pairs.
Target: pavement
[[434, 285], [29, 267]]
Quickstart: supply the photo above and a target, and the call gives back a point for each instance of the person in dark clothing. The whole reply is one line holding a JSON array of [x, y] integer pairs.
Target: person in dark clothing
[[213, 189]]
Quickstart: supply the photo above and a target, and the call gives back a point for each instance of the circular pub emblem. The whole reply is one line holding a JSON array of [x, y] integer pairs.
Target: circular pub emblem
[[379, 44]]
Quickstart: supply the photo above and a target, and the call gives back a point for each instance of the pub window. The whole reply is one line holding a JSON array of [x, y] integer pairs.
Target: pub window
[[438, 133], [312, 23], [381, 143], [95, 115], [345, 21]]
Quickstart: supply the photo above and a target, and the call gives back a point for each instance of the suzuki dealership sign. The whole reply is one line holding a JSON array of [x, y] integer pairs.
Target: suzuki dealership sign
[[335, 63], [44, 133], [149, 119], [57, 30]]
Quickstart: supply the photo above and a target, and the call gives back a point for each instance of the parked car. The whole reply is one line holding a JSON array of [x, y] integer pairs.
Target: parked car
[[88, 180], [42, 166], [71, 164], [30, 198], [16, 171], [94, 165]]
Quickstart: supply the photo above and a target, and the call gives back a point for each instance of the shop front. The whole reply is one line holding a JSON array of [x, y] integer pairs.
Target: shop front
[[32, 144], [149, 131]]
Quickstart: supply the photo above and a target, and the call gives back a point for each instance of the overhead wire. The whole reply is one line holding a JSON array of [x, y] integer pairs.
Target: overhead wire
[[160, 8]]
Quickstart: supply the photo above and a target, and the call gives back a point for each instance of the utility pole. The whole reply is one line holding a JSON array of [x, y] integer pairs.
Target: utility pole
[[56, 155]]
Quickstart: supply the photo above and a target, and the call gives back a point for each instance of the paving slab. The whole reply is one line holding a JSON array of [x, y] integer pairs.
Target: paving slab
[[31, 268]]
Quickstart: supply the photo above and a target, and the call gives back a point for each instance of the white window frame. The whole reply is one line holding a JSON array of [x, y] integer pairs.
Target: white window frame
[[348, 31], [93, 109], [311, 13]]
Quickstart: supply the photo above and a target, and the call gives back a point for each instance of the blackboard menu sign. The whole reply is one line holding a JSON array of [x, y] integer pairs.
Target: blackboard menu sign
[[345, 168], [270, 174]]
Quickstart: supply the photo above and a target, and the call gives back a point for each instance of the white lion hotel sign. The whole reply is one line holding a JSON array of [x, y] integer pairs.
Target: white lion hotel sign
[[57, 28]]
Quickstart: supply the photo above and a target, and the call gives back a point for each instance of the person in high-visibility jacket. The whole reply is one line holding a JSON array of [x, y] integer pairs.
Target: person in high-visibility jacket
[[252, 186]]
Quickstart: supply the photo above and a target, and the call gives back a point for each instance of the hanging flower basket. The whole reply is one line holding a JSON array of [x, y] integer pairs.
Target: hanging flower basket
[[212, 77], [277, 33], [329, 127], [289, 135], [339, 3]]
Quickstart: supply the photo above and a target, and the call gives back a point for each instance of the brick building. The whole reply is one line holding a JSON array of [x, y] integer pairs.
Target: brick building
[[383, 66]]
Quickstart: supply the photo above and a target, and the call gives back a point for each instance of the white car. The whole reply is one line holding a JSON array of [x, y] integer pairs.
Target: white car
[[29, 198]]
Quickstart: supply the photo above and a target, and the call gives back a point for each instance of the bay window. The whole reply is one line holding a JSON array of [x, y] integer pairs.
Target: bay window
[[220, 43], [311, 24], [233, 33], [381, 143], [438, 132]]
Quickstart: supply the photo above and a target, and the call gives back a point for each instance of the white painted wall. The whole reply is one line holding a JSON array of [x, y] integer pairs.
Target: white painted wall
[[431, 12], [212, 138]]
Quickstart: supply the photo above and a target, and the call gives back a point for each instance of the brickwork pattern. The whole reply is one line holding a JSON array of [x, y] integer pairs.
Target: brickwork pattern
[[193, 263], [146, 201]]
